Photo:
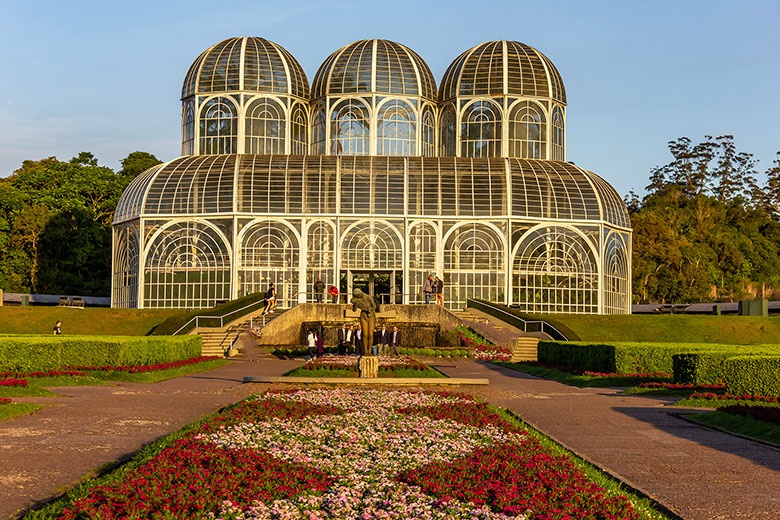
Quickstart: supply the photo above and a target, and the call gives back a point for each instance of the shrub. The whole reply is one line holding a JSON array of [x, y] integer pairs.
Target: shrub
[[40, 353], [699, 368], [754, 375]]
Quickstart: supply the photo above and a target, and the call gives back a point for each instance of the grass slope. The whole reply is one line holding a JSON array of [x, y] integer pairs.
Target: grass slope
[[740, 330], [91, 321]]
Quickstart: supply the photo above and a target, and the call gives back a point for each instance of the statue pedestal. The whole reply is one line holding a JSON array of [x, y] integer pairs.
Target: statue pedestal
[[368, 366]]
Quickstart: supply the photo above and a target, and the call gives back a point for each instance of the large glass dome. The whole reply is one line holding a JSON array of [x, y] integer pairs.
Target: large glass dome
[[502, 68], [378, 66], [246, 64]]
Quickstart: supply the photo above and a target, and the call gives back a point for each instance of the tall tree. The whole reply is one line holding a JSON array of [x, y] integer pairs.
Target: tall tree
[[136, 163]]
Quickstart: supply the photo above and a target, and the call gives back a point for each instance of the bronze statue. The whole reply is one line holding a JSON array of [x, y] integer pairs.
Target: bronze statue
[[368, 308]]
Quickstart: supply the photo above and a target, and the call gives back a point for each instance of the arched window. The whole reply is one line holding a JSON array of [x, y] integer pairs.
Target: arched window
[[474, 264], [299, 123], [428, 133], [527, 131], [188, 133], [188, 267], [218, 127], [617, 287], [371, 245], [559, 135], [269, 253], [321, 253], [318, 131], [480, 130], [126, 267], [395, 129], [422, 257], [447, 132], [555, 271], [350, 128], [265, 127]]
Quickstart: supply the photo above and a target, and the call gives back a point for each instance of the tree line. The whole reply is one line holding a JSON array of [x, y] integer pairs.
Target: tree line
[[705, 230], [55, 223]]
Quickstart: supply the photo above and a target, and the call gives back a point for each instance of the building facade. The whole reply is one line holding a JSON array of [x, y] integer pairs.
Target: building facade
[[373, 178]]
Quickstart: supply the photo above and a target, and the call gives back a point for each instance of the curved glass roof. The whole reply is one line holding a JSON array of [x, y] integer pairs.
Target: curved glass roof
[[246, 64], [374, 66], [499, 68], [531, 189]]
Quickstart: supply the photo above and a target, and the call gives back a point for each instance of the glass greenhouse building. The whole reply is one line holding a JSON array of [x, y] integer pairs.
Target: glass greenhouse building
[[374, 178]]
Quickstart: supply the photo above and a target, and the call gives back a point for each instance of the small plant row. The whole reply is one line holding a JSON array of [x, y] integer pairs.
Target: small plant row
[[725, 396], [133, 369]]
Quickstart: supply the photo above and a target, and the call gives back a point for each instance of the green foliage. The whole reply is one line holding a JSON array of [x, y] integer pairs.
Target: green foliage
[[55, 224], [746, 426], [40, 353], [700, 367], [136, 163], [754, 375], [706, 230], [633, 358]]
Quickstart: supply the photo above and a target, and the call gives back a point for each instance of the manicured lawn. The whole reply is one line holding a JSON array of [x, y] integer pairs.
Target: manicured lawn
[[87, 321], [746, 426]]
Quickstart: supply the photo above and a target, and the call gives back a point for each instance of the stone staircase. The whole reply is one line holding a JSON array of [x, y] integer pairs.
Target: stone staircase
[[217, 341], [523, 346]]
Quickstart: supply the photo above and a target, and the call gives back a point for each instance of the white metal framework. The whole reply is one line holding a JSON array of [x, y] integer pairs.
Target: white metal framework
[[373, 177]]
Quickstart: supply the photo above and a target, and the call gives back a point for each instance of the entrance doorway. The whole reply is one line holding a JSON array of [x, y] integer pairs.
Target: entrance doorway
[[383, 286]]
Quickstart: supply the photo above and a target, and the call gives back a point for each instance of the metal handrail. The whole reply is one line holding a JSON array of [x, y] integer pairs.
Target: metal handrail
[[221, 319], [524, 325]]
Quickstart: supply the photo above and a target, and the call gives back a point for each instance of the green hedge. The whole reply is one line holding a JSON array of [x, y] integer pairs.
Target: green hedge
[[700, 367], [755, 375], [630, 358], [37, 353]]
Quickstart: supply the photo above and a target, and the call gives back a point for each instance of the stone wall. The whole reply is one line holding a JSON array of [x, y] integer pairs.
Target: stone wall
[[420, 325]]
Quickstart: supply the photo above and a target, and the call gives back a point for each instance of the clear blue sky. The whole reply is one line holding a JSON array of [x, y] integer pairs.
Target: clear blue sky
[[105, 76]]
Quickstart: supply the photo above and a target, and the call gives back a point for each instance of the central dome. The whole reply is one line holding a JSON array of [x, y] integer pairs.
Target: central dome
[[377, 66]]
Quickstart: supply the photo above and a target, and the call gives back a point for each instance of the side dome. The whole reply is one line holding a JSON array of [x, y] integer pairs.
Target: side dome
[[378, 66], [247, 64], [500, 68]]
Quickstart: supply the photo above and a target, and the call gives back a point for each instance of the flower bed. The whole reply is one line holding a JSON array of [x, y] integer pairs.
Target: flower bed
[[348, 365], [762, 413], [683, 386], [135, 369], [13, 382], [355, 453], [732, 397]]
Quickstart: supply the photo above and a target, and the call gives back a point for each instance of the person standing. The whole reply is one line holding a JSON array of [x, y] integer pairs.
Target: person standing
[[57, 328], [319, 290], [349, 340], [320, 339], [438, 290], [270, 299], [311, 342], [428, 288], [384, 340], [359, 343], [341, 345], [333, 291], [395, 340]]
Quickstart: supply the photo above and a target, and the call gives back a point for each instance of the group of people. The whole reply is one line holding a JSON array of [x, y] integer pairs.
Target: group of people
[[319, 291], [433, 287], [351, 340]]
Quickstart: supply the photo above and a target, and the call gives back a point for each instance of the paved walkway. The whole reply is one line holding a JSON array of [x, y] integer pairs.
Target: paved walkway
[[694, 472]]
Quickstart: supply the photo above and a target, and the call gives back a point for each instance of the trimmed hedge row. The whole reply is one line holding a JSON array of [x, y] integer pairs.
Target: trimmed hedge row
[[696, 362], [754, 375], [39, 353]]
